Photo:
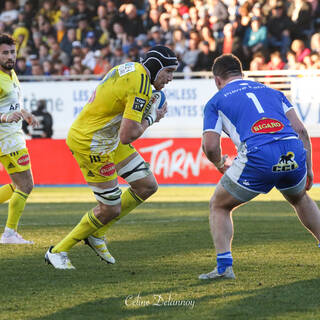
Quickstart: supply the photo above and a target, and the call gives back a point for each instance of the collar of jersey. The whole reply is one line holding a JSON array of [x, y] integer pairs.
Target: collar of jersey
[[3, 73], [235, 80]]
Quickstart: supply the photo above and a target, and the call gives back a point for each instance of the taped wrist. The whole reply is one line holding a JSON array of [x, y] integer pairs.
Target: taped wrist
[[150, 119], [3, 118], [220, 164]]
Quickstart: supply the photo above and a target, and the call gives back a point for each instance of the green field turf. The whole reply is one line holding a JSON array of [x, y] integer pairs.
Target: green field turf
[[160, 251]]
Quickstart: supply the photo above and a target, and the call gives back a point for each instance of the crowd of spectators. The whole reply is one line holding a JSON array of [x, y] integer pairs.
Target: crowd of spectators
[[62, 37]]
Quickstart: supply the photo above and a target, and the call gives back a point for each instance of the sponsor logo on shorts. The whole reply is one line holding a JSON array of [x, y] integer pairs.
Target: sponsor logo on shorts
[[138, 104], [11, 165], [24, 160], [286, 163], [90, 174], [266, 125], [108, 170]]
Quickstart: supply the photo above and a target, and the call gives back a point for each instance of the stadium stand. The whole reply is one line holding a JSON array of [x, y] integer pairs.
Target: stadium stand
[[75, 37]]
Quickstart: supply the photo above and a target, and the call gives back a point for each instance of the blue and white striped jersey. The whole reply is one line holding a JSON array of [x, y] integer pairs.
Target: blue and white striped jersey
[[249, 113]]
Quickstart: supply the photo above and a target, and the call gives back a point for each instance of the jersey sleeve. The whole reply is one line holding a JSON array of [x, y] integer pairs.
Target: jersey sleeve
[[286, 105], [2, 92], [212, 121], [139, 94]]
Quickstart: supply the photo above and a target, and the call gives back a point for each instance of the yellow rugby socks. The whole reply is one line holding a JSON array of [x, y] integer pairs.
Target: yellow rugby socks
[[16, 207], [129, 201], [87, 225], [6, 192]]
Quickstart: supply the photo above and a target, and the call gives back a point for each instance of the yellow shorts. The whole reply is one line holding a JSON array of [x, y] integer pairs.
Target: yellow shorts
[[18, 161], [97, 168]]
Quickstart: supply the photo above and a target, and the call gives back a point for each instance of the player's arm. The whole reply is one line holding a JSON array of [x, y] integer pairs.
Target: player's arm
[[134, 121], [17, 116], [301, 130], [212, 149], [29, 118], [10, 117], [212, 128], [131, 130]]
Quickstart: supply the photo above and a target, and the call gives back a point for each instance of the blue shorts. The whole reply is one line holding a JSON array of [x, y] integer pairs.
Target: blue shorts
[[280, 164]]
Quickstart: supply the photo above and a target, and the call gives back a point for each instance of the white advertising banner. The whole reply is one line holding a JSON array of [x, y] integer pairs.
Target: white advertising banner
[[305, 96], [186, 100], [65, 99]]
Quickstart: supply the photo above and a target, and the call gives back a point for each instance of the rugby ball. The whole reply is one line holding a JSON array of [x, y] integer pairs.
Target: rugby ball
[[158, 99]]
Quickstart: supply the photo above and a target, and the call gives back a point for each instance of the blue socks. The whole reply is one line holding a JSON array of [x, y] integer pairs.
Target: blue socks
[[224, 260]]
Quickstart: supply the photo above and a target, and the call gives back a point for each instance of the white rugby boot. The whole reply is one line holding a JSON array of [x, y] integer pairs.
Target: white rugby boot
[[59, 260], [11, 236], [99, 246], [227, 274]]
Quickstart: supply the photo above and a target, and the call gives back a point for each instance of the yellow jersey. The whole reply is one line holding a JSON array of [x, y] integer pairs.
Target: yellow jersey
[[123, 93], [11, 135]]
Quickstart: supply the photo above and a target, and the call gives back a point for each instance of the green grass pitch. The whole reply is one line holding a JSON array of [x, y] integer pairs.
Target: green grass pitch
[[160, 250]]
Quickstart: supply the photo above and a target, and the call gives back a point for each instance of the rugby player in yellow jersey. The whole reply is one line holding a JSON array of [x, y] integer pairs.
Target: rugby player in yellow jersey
[[100, 138], [13, 153]]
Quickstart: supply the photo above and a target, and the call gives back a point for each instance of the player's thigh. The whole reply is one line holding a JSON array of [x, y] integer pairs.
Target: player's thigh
[[230, 194], [131, 166], [222, 198], [18, 166]]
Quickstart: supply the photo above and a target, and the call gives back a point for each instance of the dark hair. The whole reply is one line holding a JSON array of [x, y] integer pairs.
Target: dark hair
[[41, 104], [6, 39], [226, 66]]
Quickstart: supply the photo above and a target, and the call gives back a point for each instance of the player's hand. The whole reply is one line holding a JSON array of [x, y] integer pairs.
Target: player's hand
[[13, 117], [160, 113], [223, 167], [30, 118], [309, 182], [155, 114]]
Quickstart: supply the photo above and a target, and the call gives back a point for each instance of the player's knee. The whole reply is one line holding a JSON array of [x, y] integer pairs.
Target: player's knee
[[146, 189], [29, 188], [26, 187], [108, 212], [150, 189]]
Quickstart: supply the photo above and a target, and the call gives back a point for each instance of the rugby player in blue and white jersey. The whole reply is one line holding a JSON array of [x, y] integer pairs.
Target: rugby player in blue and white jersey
[[13, 152], [274, 150]]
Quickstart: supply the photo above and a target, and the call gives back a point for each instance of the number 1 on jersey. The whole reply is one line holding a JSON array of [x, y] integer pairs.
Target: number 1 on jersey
[[256, 102]]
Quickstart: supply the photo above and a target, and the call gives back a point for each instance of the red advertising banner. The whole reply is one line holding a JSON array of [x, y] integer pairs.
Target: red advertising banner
[[173, 161]]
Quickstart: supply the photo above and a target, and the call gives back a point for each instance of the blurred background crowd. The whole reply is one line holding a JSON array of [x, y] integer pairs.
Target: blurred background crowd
[[70, 37]]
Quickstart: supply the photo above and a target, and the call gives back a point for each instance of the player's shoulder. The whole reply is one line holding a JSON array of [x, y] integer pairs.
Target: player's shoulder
[[130, 69], [6, 81], [137, 80], [212, 102]]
